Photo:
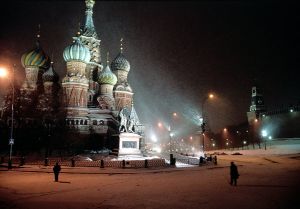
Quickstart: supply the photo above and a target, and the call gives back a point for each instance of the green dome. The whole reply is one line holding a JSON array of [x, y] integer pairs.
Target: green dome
[[36, 57], [77, 51], [107, 77]]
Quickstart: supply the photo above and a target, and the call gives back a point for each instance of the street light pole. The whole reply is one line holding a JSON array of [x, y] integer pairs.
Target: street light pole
[[210, 96], [11, 140], [172, 162]]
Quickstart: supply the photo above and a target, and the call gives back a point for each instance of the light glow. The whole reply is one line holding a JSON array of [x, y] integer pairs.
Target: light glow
[[264, 133], [153, 138], [3, 72]]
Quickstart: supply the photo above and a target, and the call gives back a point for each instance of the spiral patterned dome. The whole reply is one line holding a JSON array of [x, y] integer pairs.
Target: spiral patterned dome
[[36, 57], [77, 51], [50, 75], [107, 77], [120, 63]]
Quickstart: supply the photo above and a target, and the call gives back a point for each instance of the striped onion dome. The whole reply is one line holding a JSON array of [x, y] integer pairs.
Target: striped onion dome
[[50, 75], [77, 51], [36, 57], [120, 63], [107, 77]]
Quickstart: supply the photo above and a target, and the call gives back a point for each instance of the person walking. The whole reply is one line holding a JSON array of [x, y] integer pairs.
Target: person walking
[[234, 174], [215, 160], [56, 170]]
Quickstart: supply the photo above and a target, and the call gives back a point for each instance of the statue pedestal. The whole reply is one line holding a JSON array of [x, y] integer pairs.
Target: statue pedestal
[[129, 144]]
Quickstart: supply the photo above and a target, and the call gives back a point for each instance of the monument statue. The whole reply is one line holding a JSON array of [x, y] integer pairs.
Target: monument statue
[[123, 121]]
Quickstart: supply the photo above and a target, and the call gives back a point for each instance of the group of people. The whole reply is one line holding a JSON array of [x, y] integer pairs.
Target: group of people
[[234, 174]]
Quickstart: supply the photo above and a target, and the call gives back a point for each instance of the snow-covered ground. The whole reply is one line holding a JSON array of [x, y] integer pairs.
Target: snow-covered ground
[[269, 180], [273, 147]]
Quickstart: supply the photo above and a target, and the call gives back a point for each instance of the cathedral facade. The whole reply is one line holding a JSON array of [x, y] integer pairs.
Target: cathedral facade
[[87, 101]]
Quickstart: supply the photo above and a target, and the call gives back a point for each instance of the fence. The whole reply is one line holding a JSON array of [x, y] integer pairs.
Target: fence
[[79, 163]]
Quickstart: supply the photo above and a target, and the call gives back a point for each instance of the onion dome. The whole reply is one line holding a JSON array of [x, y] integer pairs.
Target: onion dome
[[50, 75], [107, 77], [120, 63], [36, 57], [77, 51]]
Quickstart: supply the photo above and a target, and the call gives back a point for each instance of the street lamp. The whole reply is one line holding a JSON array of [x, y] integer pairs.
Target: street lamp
[[4, 73], [264, 134], [172, 162], [203, 124]]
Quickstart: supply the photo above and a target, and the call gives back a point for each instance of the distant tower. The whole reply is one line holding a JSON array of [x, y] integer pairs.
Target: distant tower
[[122, 90], [90, 39], [75, 84], [107, 80], [257, 104]]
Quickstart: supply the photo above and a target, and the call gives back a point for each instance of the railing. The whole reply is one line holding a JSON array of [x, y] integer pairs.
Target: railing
[[80, 163]]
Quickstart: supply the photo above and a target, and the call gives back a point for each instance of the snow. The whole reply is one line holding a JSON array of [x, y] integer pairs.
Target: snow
[[269, 180]]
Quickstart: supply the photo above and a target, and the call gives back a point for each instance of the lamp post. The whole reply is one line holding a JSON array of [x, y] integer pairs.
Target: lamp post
[[170, 140], [3, 73], [160, 125], [172, 161], [203, 124]]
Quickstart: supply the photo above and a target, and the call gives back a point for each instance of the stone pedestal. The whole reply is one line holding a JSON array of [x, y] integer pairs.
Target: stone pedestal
[[129, 144]]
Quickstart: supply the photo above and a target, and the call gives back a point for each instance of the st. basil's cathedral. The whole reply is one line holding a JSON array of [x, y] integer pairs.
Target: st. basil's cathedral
[[87, 102]]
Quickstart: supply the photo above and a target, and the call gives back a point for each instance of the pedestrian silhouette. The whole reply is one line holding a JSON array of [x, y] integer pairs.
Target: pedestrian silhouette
[[56, 170], [215, 160], [234, 174]]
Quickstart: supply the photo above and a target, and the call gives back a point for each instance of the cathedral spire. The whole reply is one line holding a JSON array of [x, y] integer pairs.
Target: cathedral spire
[[121, 45], [89, 28], [107, 58], [78, 32], [38, 35]]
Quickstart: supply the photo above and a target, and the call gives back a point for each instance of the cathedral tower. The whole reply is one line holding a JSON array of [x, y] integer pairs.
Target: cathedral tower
[[107, 80], [75, 84], [35, 63], [90, 39], [48, 101], [122, 90]]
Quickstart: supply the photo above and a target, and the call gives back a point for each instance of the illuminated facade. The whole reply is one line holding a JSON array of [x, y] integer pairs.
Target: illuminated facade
[[90, 96]]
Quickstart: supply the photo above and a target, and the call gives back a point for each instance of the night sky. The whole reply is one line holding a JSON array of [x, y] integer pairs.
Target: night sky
[[178, 51]]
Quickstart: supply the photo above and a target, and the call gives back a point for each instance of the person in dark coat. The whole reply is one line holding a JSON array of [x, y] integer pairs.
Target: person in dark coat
[[56, 170], [234, 174]]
